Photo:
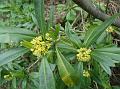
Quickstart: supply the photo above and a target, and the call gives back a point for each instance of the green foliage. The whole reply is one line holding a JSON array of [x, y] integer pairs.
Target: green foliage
[[63, 65], [71, 15], [11, 55], [16, 13], [72, 36], [51, 16], [39, 11], [67, 73], [11, 34], [46, 76], [94, 34]]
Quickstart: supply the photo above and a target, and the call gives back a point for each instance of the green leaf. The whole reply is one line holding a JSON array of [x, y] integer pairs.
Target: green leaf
[[105, 67], [14, 30], [54, 33], [61, 7], [72, 36], [66, 47], [50, 56], [24, 83], [116, 87], [34, 75], [11, 38], [34, 19], [95, 33], [26, 44], [82, 83], [112, 52], [40, 16], [46, 78], [77, 8], [71, 15], [101, 38], [105, 61], [14, 85], [34, 78], [13, 34], [11, 55], [51, 15], [109, 50], [66, 71], [115, 57], [117, 31]]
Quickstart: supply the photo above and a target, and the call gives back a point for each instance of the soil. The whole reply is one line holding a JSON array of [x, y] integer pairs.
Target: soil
[[115, 78]]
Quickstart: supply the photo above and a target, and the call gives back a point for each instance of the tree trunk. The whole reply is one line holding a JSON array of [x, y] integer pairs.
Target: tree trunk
[[91, 9]]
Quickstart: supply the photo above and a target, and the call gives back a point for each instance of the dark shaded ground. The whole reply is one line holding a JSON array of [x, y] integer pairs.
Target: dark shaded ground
[[115, 78]]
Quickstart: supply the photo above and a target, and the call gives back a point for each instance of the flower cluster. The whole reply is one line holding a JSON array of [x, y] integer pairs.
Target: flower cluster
[[84, 54], [110, 29], [86, 73], [39, 46], [8, 76], [47, 37]]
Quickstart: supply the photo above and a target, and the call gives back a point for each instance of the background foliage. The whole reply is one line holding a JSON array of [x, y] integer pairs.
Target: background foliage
[[71, 29]]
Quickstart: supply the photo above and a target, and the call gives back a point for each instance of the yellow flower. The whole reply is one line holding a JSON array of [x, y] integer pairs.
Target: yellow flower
[[83, 54], [8, 76], [86, 73], [47, 37], [110, 29], [36, 40], [40, 47]]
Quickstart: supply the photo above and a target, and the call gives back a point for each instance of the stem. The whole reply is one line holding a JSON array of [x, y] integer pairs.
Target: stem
[[33, 64]]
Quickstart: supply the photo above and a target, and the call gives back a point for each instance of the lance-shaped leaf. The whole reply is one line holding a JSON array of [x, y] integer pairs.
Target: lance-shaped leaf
[[112, 52], [94, 34], [66, 47], [51, 15], [40, 16], [66, 71], [105, 67], [115, 57], [13, 34], [9, 38], [105, 61], [54, 33], [71, 35], [109, 50], [14, 30], [46, 78], [11, 55]]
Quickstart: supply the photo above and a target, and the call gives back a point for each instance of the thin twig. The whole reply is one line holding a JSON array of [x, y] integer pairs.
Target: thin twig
[[33, 64], [96, 85]]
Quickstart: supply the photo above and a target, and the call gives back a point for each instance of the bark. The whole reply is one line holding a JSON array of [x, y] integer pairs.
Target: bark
[[91, 9]]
